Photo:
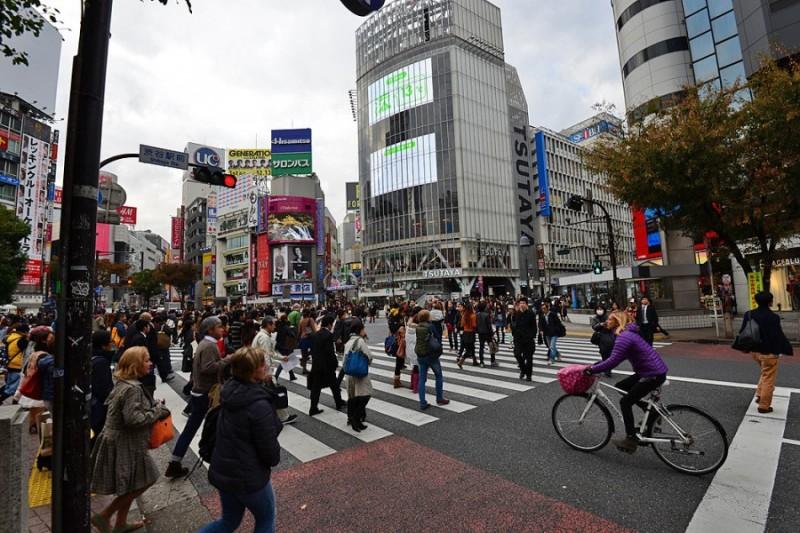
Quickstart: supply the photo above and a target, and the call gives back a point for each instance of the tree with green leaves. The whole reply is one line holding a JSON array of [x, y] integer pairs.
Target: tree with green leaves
[[719, 161], [179, 275], [12, 231], [146, 285]]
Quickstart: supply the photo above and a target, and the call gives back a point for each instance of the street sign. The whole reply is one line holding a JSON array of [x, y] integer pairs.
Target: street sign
[[108, 217], [154, 155]]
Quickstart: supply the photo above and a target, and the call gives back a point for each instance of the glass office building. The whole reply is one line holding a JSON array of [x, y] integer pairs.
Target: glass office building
[[435, 165]]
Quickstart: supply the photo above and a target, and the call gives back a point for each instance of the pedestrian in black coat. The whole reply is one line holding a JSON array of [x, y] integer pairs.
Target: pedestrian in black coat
[[102, 383], [525, 331], [323, 369], [246, 446], [603, 336], [647, 319]]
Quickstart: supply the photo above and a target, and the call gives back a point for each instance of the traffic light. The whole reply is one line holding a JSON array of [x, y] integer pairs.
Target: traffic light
[[362, 8], [214, 176], [597, 266]]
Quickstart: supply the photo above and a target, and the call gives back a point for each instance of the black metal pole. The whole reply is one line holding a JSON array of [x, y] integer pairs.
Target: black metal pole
[[612, 252], [71, 496]]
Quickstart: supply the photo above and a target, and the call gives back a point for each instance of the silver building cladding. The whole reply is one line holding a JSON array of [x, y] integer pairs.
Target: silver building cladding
[[439, 194]]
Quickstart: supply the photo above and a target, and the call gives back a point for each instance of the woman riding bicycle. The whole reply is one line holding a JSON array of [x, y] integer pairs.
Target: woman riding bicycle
[[650, 372]]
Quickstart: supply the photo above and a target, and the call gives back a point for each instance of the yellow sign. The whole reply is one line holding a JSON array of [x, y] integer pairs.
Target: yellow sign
[[253, 162], [755, 284]]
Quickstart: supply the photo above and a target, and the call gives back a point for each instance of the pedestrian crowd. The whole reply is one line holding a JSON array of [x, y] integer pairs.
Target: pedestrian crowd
[[234, 358]]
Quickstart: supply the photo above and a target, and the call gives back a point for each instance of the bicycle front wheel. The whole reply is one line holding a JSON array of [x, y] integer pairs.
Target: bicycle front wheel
[[701, 445], [585, 432]]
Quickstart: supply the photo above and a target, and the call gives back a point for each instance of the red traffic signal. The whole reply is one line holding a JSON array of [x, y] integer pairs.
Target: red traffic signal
[[214, 176]]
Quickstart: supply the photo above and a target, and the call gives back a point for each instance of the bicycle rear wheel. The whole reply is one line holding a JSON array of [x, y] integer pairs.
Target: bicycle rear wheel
[[588, 434], [707, 446]]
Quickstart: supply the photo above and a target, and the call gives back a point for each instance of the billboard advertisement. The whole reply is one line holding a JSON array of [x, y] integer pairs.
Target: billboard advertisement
[[127, 214], [263, 274], [300, 262], [353, 195], [249, 161], [291, 219], [177, 233], [402, 89], [280, 263], [543, 202], [320, 226], [595, 129], [646, 234], [32, 203], [206, 155], [291, 152], [211, 215], [289, 262], [208, 268], [405, 164], [263, 215]]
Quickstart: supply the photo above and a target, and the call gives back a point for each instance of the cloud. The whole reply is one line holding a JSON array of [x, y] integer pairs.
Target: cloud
[[231, 71]]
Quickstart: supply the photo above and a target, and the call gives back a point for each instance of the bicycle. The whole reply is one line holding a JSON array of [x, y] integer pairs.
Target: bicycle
[[684, 437]]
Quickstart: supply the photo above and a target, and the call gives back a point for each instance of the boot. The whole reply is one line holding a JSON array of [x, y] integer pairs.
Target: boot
[[397, 383], [175, 470], [415, 381]]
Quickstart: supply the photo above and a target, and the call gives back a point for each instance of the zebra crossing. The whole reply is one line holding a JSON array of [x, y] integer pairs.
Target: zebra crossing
[[396, 410]]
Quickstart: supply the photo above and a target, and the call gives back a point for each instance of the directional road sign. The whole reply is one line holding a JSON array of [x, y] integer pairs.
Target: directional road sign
[[161, 156]]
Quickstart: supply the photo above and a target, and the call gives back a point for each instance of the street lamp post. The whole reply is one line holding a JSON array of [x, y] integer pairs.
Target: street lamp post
[[524, 244], [575, 203]]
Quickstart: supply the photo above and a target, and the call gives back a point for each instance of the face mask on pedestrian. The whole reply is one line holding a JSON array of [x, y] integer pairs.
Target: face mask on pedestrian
[[600, 312]]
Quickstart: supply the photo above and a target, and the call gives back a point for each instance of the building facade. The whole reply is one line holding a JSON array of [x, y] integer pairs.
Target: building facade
[[565, 243], [438, 199]]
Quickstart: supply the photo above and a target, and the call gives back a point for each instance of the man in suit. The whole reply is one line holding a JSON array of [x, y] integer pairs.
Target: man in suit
[[647, 320], [323, 369]]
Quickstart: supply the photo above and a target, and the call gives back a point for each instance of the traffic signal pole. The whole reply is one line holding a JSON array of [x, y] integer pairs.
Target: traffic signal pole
[[71, 504]]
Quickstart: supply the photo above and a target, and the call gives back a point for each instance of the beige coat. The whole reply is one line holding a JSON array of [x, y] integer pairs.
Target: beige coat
[[358, 386]]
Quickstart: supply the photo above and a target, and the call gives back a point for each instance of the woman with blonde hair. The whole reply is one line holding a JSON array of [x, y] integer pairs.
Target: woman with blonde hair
[[650, 372], [120, 460]]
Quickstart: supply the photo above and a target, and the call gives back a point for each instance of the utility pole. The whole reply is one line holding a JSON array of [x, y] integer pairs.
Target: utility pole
[[72, 373]]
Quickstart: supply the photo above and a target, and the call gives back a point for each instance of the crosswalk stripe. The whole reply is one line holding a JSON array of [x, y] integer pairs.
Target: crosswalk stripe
[[410, 416], [468, 369], [338, 420], [404, 392], [302, 446], [449, 387]]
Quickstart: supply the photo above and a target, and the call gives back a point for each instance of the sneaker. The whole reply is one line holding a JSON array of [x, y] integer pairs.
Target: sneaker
[[175, 470], [627, 445], [313, 412], [521, 374], [483, 366], [186, 412], [443, 401], [527, 378], [291, 419], [549, 362], [170, 377], [424, 406], [494, 364]]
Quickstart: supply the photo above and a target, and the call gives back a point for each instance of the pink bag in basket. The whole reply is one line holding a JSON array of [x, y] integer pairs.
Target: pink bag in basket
[[573, 381]]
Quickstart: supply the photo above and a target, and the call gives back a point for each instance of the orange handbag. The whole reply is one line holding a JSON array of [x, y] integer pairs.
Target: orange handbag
[[161, 432]]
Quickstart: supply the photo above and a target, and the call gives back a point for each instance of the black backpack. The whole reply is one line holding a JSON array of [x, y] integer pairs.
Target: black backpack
[[208, 438]]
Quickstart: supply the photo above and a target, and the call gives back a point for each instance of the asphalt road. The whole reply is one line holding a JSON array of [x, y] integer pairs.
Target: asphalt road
[[491, 461]]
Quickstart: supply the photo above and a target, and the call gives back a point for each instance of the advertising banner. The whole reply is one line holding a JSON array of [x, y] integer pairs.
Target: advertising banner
[[252, 210], [208, 268], [755, 284], [320, 237], [353, 196], [291, 219], [300, 262], [211, 215], [177, 233], [32, 203], [249, 161], [391, 167], [543, 202], [127, 214], [291, 152], [295, 289], [402, 89], [263, 277], [280, 263], [263, 215]]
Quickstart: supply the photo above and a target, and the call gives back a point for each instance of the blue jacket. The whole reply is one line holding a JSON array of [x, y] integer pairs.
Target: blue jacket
[[246, 446], [631, 346]]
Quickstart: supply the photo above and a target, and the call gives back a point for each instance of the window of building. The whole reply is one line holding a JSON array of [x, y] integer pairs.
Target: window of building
[[8, 192], [729, 51], [702, 46], [724, 26], [718, 7], [697, 23], [705, 69], [732, 74]]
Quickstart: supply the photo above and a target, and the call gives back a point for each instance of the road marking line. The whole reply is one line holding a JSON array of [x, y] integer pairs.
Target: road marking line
[[739, 496], [302, 446], [791, 441], [410, 416], [338, 420], [448, 387]]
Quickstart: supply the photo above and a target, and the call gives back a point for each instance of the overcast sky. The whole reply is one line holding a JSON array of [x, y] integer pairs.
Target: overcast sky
[[234, 69]]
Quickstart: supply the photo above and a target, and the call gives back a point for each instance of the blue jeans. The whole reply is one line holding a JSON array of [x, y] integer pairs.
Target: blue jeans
[[553, 352], [13, 378], [261, 504], [424, 364], [199, 408]]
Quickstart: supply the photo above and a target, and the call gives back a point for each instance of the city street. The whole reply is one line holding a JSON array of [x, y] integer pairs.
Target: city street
[[491, 459]]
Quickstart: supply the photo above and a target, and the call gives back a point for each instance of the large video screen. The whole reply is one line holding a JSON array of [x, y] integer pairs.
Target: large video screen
[[404, 164], [402, 89], [291, 219]]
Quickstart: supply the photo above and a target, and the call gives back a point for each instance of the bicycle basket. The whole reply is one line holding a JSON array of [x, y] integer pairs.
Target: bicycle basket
[[573, 381]]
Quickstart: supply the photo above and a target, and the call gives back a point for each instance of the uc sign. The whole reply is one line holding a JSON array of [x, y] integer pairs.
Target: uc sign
[[206, 156]]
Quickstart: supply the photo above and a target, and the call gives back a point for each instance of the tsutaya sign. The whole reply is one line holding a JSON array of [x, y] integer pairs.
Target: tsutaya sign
[[442, 273]]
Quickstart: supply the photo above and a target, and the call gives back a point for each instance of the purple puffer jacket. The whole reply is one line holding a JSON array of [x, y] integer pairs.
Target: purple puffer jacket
[[631, 346]]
